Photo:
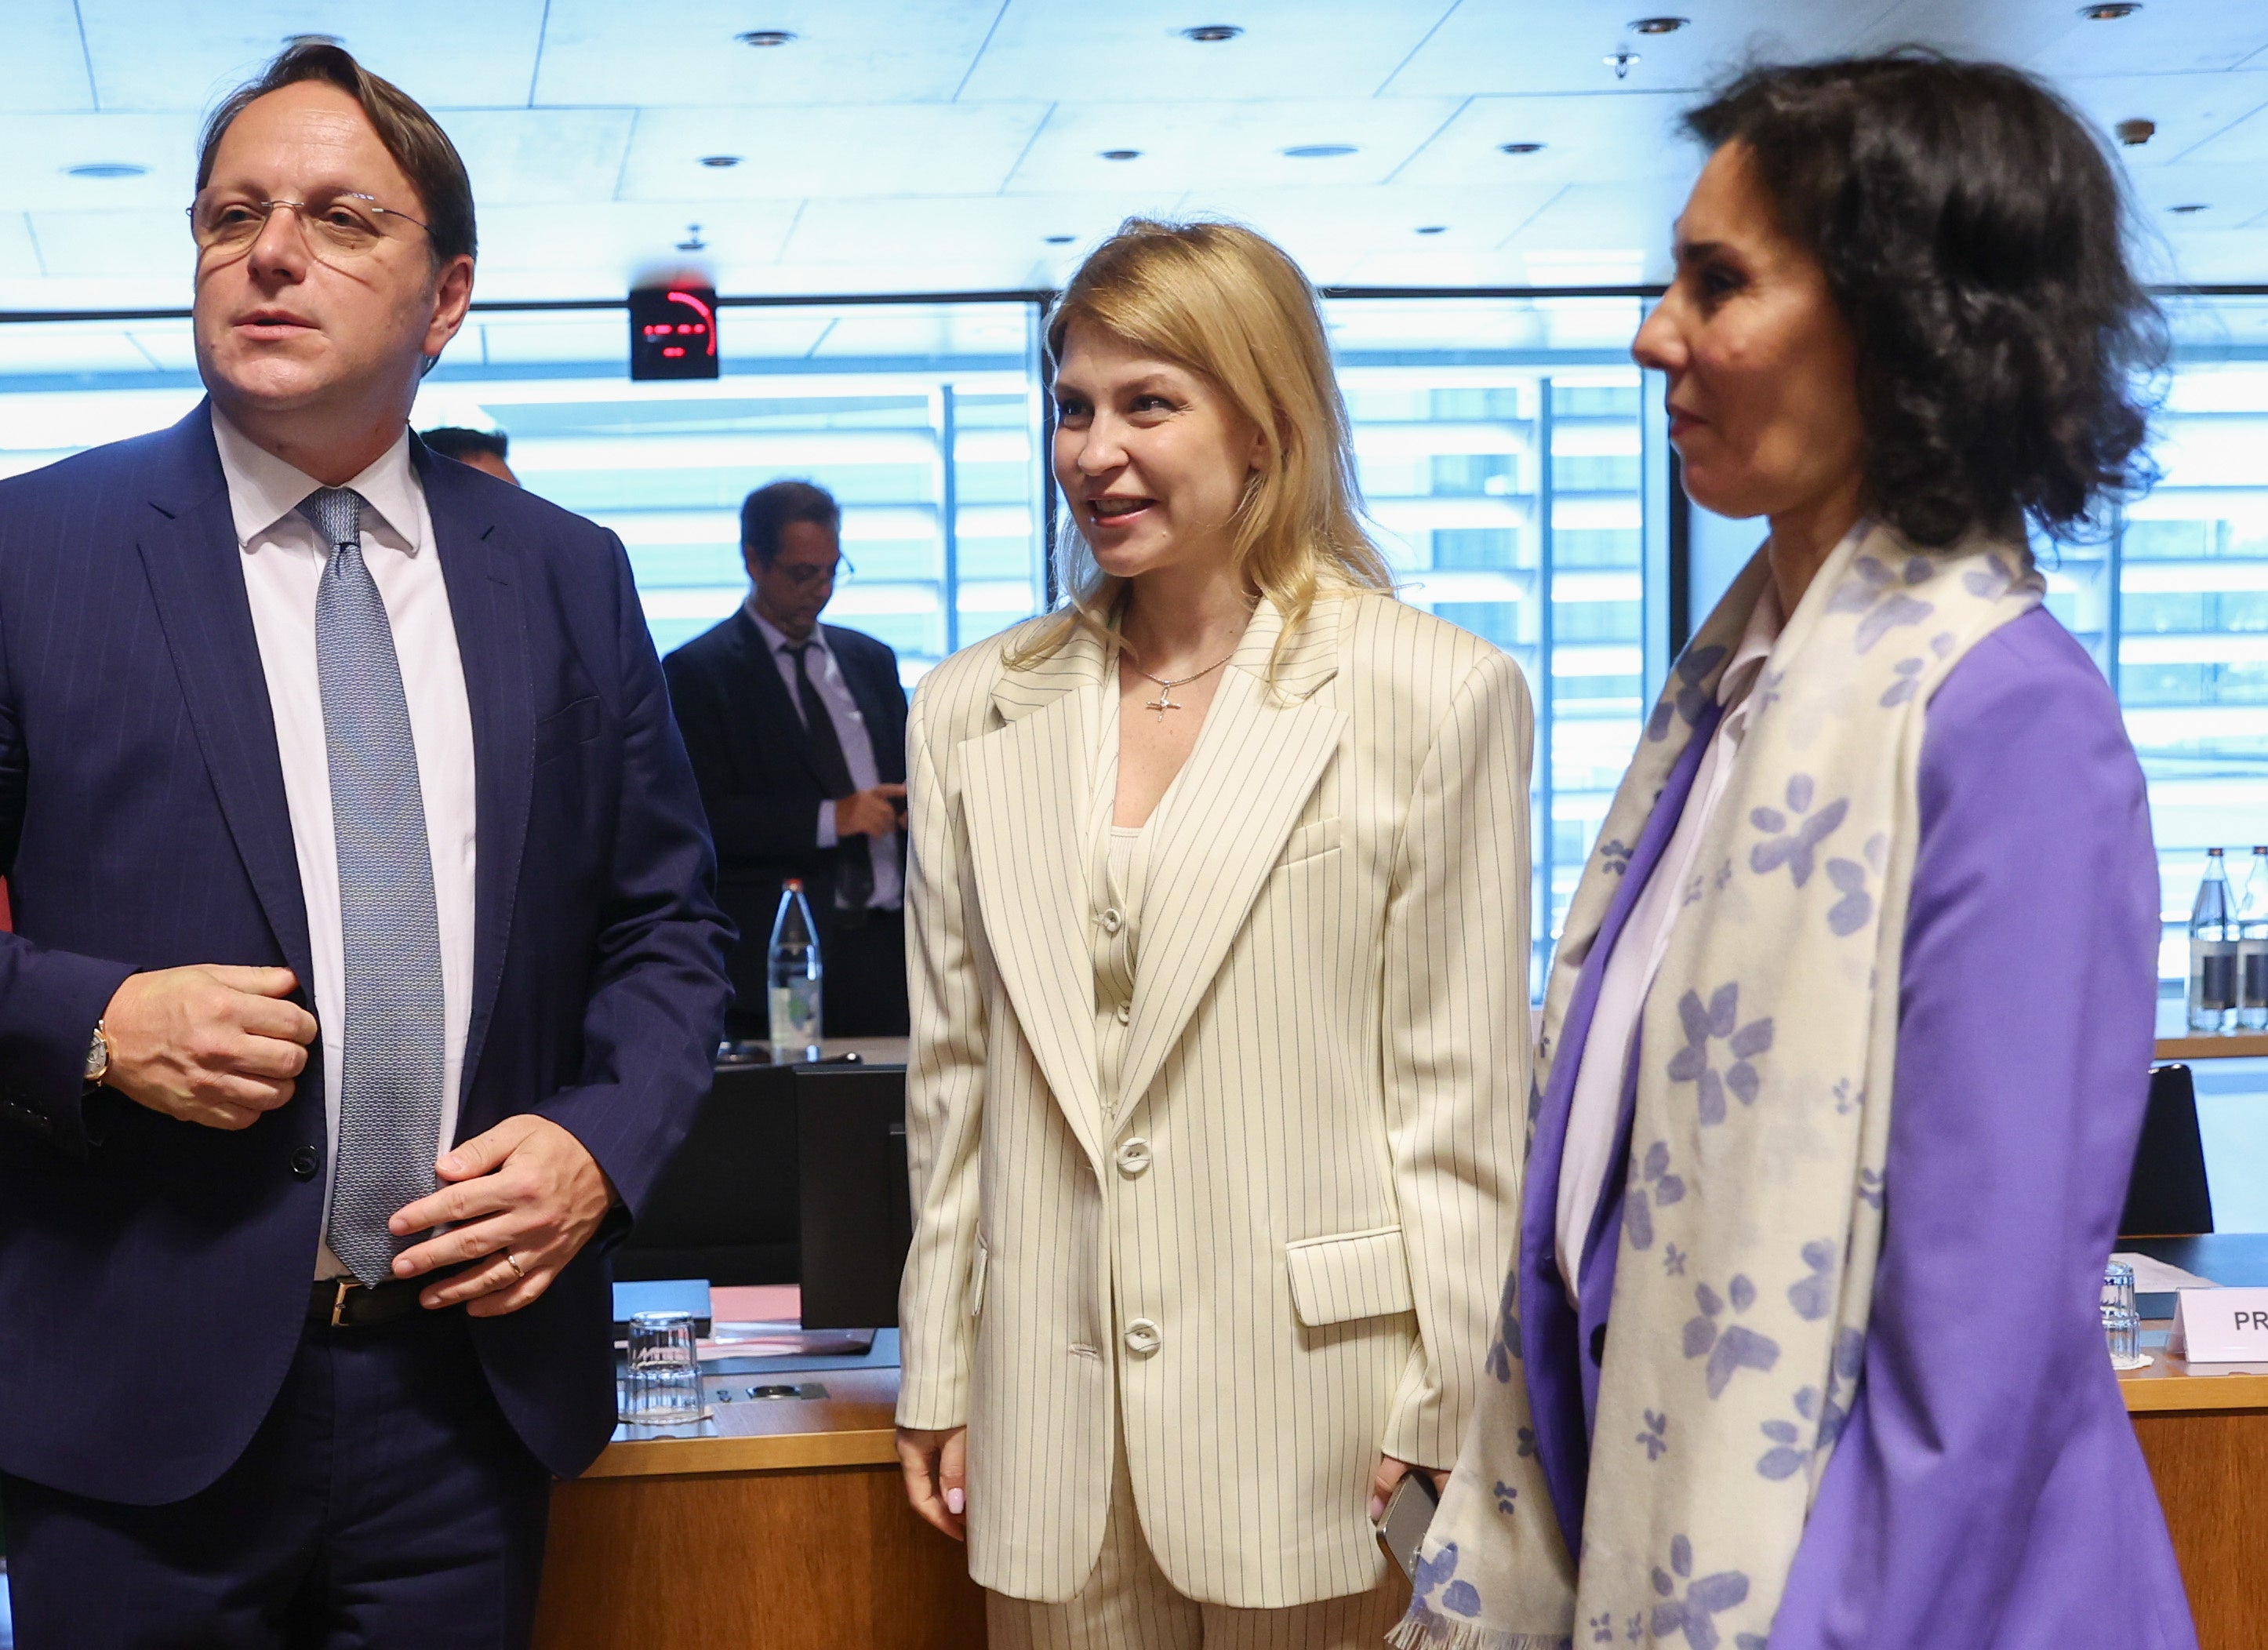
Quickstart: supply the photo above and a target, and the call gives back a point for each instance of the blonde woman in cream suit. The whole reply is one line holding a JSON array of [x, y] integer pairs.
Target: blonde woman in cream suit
[[1219, 903]]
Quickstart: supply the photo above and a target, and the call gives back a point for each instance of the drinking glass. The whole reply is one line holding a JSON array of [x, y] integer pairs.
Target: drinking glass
[[2121, 1323], [661, 1382]]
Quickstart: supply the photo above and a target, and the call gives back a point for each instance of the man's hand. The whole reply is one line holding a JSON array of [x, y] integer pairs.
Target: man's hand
[[214, 1045], [869, 812], [1390, 1472], [526, 1189], [935, 1465]]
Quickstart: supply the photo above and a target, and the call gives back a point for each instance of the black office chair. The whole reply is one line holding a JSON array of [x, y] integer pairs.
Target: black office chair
[[2168, 1194]]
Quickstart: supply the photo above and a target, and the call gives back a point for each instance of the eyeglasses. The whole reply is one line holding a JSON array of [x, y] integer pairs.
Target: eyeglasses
[[343, 224], [802, 577]]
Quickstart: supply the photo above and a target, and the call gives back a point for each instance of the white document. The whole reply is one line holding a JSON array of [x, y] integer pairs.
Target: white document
[[2156, 1277]]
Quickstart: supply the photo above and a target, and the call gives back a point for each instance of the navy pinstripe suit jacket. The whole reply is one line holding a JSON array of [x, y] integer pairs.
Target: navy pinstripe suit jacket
[[153, 1274]]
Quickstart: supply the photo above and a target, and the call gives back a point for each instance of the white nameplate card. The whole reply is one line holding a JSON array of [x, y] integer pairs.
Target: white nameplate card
[[2221, 1326]]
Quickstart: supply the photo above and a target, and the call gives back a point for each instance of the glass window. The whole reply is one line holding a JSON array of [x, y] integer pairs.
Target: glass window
[[922, 420], [1501, 446]]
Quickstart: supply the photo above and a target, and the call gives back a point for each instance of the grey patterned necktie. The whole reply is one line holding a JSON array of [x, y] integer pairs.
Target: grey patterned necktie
[[390, 1061]]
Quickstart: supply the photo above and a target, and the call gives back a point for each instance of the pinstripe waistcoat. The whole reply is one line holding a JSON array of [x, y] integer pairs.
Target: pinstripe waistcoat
[[1280, 1250]]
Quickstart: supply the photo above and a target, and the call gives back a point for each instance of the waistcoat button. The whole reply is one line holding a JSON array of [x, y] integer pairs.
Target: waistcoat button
[[1142, 1337]]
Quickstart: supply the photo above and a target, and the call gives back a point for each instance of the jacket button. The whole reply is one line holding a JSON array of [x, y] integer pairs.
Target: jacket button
[[304, 1163], [1125, 1013], [1142, 1337], [1134, 1157], [1112, 922]]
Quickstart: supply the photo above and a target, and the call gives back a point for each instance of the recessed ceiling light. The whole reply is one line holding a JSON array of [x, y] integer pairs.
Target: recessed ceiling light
[[2135, 133], [1659, 26], [1121, 154], [1521, 149], [1061, 240], [2110, 13], [765, 37], [1431, 229], [1212, 33], [692, 241], [1318, 152], [720, 161], [2188, 207], [107, 169], [291, 40]]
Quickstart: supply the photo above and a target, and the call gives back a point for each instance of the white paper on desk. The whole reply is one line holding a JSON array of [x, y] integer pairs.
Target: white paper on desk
[[2156, 1277]]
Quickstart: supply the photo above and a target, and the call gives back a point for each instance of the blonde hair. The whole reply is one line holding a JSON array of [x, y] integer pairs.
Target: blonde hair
[[1227, 303]]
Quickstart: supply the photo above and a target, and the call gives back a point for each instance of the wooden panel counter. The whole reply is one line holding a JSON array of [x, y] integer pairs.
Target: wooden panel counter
[[783, 1522]]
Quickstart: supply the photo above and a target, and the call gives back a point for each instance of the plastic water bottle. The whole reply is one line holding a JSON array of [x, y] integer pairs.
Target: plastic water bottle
[[796, 972], [2253, 946], [2213, 951]]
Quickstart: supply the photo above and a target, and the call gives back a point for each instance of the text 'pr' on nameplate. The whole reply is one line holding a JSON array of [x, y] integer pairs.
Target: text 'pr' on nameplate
[[2221, 1326]]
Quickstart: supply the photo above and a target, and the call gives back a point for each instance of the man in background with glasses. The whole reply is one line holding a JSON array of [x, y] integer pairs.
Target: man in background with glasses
[[798, 733], [365, 969]]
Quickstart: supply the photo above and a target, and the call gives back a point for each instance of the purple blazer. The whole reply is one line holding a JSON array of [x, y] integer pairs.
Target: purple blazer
[[1988, 1492]]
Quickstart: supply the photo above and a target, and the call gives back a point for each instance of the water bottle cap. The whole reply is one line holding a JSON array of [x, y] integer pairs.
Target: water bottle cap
[[796, 883]]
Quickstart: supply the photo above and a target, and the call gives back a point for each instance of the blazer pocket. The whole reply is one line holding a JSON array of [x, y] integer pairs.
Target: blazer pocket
[[572, 724], [1348, 1275], [976, 1279], [1317, 837]]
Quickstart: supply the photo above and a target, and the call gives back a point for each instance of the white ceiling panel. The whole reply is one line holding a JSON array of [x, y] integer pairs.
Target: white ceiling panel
[[148, 245], [444, 52], [41, 149], [1602, 234], [20, 253], [1308, 49], [836, 151], [961, 228], [517, 156], [2190, 111], [1599, 137], [2245, 140], [602, 250], [1328, 231], [1203, 145], [1514, 46], [2051, 38], [42, 65], [845, 51]]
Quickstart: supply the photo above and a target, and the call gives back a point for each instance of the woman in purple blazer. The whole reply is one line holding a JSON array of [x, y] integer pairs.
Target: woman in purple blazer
[[1846, 1045]]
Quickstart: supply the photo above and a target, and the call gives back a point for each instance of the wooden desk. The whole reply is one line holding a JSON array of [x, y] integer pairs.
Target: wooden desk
[[783, 1521]]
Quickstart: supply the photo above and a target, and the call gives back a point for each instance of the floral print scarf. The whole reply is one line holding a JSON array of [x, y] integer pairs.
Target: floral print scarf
[[1753, 1221]]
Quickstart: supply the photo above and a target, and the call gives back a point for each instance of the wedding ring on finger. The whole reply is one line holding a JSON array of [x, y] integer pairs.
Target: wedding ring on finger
[[518, 1275]]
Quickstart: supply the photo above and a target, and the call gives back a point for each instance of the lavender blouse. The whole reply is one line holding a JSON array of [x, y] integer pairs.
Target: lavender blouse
[[1988, 1492]]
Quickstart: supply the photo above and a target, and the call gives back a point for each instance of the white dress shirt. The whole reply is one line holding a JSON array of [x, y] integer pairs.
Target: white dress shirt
[[283, 560], [850, 731], [1596, 1111]]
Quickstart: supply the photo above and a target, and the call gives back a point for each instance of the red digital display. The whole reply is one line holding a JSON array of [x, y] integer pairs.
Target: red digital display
[[673, 332]]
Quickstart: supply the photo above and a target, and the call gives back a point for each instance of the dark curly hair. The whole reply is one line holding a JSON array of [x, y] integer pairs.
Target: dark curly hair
[[1973, 232]]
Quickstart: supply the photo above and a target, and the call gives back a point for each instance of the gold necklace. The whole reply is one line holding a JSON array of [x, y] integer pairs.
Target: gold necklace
[[1164, 702]]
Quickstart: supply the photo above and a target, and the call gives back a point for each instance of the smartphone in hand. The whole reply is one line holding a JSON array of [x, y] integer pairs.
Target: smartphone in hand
[[1409, 1515]]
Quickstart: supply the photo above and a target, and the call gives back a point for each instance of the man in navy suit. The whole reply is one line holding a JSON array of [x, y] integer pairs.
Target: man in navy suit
[[798, 735], [365, 967]]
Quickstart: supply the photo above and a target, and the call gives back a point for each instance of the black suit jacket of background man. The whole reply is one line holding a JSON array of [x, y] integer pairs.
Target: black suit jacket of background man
[[759, 781]]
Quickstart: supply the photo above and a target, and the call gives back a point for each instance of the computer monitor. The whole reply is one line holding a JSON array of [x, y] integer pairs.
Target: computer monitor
[[725, 1209], [856, 1208]]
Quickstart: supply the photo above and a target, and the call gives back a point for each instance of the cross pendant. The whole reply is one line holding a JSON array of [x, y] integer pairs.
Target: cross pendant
[[1162, 703]]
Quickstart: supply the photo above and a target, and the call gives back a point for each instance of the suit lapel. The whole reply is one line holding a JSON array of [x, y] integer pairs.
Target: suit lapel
[[1027, 792], [190, 554], [487, 609], [1221, 825]]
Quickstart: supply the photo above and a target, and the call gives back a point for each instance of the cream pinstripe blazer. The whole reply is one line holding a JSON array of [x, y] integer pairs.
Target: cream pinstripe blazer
[[1323, 1087]]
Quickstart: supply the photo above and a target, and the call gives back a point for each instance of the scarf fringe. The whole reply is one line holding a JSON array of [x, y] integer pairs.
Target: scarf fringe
[[1424, 1629]]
